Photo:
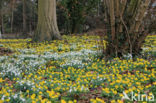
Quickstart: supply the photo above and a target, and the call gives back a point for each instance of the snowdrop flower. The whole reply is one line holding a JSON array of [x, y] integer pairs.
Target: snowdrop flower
[[15, 96], [22, 99], [70, 90], [3, 97]]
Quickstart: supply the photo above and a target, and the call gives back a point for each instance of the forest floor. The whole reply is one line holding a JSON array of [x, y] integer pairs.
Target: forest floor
[[4, 51], [70, 71]]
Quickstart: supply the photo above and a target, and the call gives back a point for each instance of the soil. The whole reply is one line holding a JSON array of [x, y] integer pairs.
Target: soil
[[5, 51]]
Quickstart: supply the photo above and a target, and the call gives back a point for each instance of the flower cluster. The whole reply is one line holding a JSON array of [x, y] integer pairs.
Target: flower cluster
[[68, 71]]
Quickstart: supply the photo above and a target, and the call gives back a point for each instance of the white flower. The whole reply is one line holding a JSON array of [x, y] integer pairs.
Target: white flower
[[15, 96], [70, 90], [22, 99], [3, 97]]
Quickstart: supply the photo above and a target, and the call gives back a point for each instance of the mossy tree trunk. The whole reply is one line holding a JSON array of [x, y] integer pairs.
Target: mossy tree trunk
[[47, 28], [124, 19]]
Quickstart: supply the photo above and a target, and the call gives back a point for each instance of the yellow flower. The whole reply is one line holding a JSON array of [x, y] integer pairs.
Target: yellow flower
[[33, 101], [75, 101], [106, 90], [1, 80], [7, 100], [119, 101], [113, 101], [43, 101], [116, 86], [27, 91], [114, 91], [48, 101], [63, 101], [1, 101], [100, 100], [33, 96], [121, 95], [70, 102], [40, 92], [40, 97], [154, 83], [35, 76], [93, 101]]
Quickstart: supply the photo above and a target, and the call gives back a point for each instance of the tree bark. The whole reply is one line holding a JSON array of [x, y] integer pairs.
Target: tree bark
[[122, 9], [141, 14], [112, 19], [47, 28], [124, 26], [12, 14], [24, 18], [3, 24], [0, 21]]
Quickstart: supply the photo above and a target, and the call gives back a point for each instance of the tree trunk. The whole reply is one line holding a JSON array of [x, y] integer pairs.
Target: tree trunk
[[31, 22], [3, 24], [0, 25], [12, 15], [47, 28], [112, 19], [1, 20], [124, 19], [24, 18]]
